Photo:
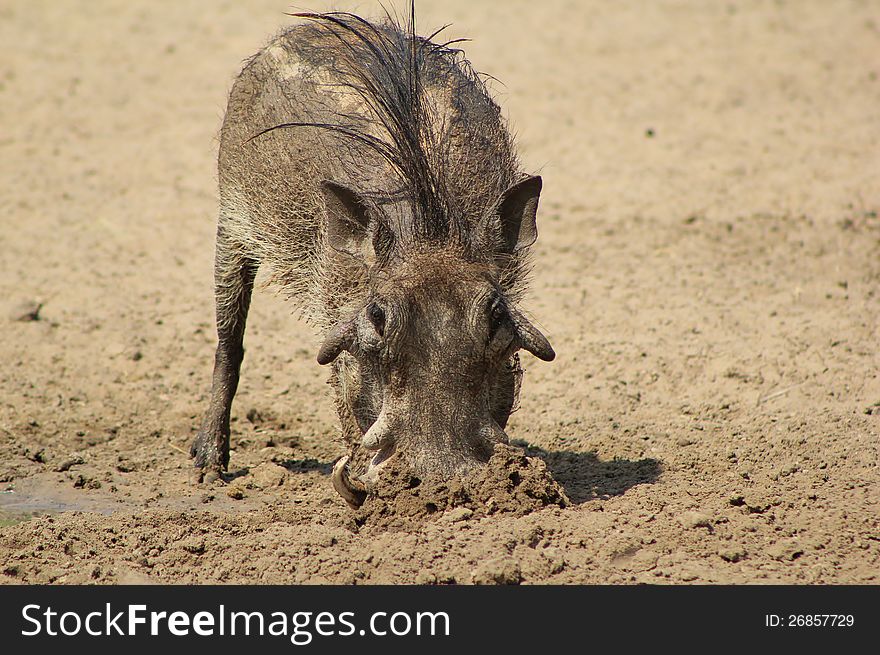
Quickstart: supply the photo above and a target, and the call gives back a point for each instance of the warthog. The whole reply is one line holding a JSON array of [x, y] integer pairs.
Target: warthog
[[372, 177]]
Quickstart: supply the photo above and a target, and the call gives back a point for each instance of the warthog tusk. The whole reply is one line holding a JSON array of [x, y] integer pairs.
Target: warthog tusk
[[351, 491]]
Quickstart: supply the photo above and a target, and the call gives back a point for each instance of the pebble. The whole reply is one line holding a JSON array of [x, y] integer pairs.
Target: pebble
[[26, 311], [784, 551], [426, 577], [458, 514], [67, 463], [500, 571], [693, 520], [267, 476], [732, 554]]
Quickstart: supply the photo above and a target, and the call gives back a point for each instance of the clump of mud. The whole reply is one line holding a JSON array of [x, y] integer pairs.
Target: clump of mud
[[511, 483]]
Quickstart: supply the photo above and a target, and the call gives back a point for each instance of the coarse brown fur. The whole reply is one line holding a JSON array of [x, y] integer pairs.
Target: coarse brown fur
[[371, 177]]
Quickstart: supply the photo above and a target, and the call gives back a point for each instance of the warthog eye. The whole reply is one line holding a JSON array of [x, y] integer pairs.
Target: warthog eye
[[497, 314], [376, 315]]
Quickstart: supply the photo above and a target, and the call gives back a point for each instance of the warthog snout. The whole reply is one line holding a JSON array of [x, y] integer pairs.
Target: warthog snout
[[432, 355]]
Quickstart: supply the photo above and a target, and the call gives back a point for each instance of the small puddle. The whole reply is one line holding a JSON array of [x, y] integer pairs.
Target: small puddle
[[29, 498]]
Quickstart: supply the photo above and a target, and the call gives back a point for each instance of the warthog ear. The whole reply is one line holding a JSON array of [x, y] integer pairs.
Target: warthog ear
[[340, 337], [512, 222], [348, 220], [531, 339]]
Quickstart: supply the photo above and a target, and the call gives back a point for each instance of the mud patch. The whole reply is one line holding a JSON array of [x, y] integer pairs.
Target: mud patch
[[511, 483]]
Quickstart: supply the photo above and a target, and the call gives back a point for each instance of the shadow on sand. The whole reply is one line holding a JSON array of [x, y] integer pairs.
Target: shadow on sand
[[582, 474], [306, 466], [585, 477], [292, 465]]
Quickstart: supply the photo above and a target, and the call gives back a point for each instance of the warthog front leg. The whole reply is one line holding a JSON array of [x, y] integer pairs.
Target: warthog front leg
[[234, 281]]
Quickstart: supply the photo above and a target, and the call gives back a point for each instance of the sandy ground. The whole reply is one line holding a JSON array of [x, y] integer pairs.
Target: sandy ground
[[707, 270]]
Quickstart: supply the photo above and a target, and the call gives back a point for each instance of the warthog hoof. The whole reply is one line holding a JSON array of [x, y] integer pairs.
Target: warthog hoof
[[210, 453]]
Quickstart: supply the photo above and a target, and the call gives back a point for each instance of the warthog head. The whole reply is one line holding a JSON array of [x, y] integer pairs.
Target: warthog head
[[430, 371]]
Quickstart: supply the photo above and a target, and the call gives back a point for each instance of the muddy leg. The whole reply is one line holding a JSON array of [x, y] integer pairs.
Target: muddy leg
[[233, 283]]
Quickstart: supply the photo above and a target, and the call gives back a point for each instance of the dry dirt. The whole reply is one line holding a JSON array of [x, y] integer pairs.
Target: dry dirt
[[707, 270]]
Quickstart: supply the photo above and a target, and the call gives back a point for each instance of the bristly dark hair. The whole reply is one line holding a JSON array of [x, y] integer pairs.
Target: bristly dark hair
[[385, 65]]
